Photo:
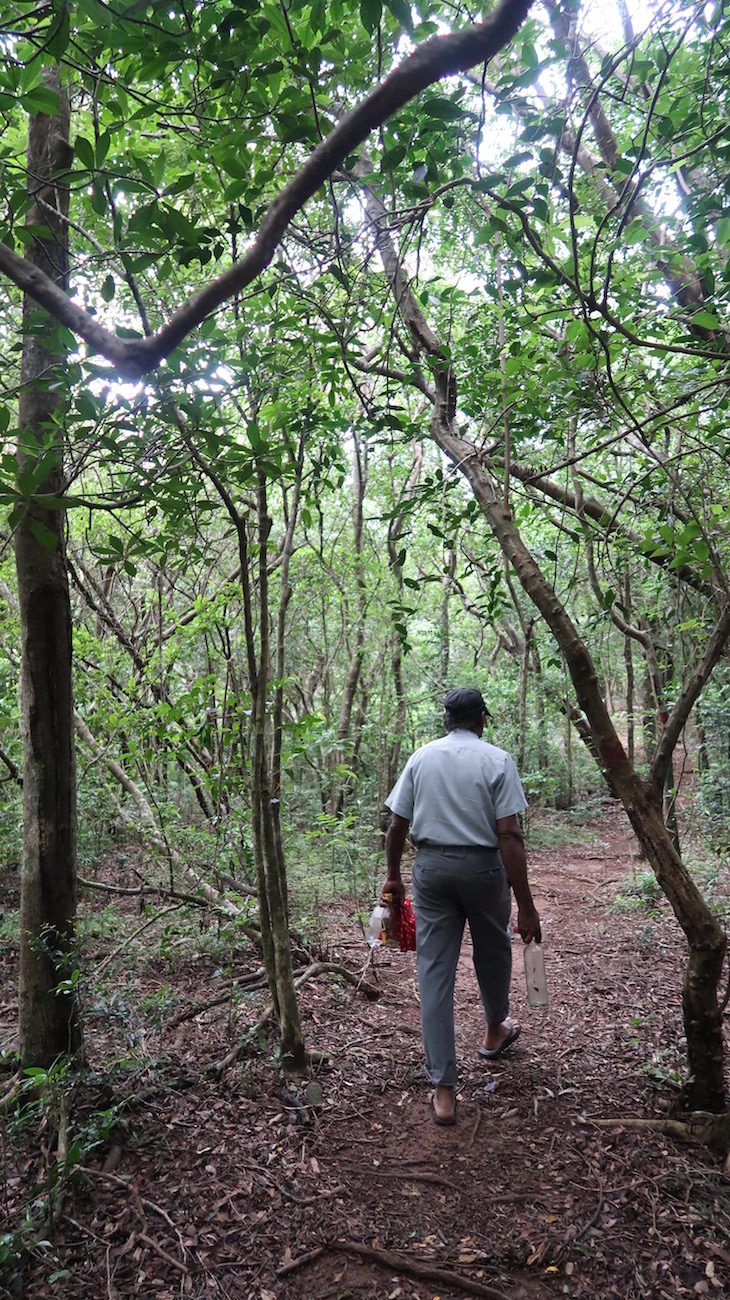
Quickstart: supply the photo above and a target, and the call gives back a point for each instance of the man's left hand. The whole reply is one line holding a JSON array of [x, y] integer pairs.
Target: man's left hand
[[528, 924]]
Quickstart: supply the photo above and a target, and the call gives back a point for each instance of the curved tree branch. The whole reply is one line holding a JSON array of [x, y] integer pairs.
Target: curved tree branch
[[439, 57]]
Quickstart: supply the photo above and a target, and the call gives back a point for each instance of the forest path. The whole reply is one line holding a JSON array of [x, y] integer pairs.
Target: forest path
[[245, 1189]]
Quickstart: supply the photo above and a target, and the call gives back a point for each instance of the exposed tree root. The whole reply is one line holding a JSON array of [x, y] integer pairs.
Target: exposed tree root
[[246, 983], [701, 1128], [9, 1098], [398, 1264]]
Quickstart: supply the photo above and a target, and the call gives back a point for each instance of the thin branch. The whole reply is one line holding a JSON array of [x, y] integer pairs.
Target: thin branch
[[689, 696], [135, 934]]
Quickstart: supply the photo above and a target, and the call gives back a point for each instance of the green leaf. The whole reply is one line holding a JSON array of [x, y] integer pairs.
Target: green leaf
[[445, 110], [58, 43], [108, 288], [401, 11], [371, 11], [39, 99], [705, 320], [102, 147], [43, 535], [392, 158], [84, 151], [235, 165], [180, 185]]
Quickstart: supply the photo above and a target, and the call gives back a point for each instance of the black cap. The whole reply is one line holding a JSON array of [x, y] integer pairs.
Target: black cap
[[464, 704]]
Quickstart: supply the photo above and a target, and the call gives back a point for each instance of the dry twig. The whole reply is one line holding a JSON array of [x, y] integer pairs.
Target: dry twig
[[314, 969]]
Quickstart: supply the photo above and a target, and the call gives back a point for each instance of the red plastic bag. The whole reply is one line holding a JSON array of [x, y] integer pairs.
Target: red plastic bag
[[406, 926]]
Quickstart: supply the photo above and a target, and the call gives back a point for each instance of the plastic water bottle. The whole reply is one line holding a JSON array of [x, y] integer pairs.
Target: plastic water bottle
[[537, 994]]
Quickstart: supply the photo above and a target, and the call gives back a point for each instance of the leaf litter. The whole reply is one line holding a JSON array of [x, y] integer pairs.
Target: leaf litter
[[340, 1185]]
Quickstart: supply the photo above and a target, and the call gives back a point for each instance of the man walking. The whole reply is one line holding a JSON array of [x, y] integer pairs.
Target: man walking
[[461, 796]]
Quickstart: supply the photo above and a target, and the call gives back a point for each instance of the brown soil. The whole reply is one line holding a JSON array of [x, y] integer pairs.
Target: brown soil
[[251, 1187]]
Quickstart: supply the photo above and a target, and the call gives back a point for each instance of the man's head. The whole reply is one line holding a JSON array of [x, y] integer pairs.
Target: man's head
[[464, 709]]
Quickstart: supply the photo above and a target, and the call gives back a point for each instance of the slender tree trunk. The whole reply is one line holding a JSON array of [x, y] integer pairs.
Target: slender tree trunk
[[285, 595], [49, 1020], [703, 759], [648, 716], [268, 850], [569, 759], [524, 681], [629, 665], [343, 753], [397, 554], [263, 763], [447, 579]]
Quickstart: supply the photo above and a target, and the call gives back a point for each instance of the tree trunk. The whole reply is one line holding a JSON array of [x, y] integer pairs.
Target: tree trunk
[[629, 666], [396, 554], [524, 682], [263, 763], [705, 1087], [342, 781], [447, 579], [268, 852], [49, 1020]]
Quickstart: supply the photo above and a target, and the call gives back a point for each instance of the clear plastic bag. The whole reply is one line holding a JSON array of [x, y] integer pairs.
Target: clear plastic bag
[[380, 928], [392, 925]]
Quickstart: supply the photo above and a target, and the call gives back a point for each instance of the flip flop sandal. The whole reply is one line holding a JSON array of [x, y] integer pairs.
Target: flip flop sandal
[[443, 1121], [494, 1053]]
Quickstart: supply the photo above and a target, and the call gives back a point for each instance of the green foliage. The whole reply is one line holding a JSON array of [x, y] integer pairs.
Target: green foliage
[[547, 830], [640, 892], [338, 858], [49, 1099], [9, 931]]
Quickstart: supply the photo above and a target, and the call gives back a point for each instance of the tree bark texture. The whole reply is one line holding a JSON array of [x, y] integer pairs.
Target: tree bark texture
[[49, 1021]]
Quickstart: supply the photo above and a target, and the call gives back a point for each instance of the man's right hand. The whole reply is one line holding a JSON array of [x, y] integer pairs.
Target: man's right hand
[[397, 891]]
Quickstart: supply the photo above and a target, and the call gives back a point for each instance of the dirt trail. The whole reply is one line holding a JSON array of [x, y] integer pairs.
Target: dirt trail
[[244, 1189]]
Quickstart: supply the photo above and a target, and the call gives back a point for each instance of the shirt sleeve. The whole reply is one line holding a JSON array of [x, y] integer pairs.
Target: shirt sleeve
[[400, 799], [509, 797]]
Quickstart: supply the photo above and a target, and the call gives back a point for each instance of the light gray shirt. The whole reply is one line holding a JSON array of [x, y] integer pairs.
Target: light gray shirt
[[453, 790]]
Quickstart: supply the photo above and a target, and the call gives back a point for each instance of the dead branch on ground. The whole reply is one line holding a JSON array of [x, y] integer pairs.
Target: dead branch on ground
[[399, 1264], [314, 969]]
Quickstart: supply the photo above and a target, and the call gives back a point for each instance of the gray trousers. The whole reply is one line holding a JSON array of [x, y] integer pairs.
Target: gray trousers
[[452, 886]]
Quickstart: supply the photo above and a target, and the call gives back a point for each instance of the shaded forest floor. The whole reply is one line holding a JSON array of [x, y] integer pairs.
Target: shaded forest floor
[[251, 1187]]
